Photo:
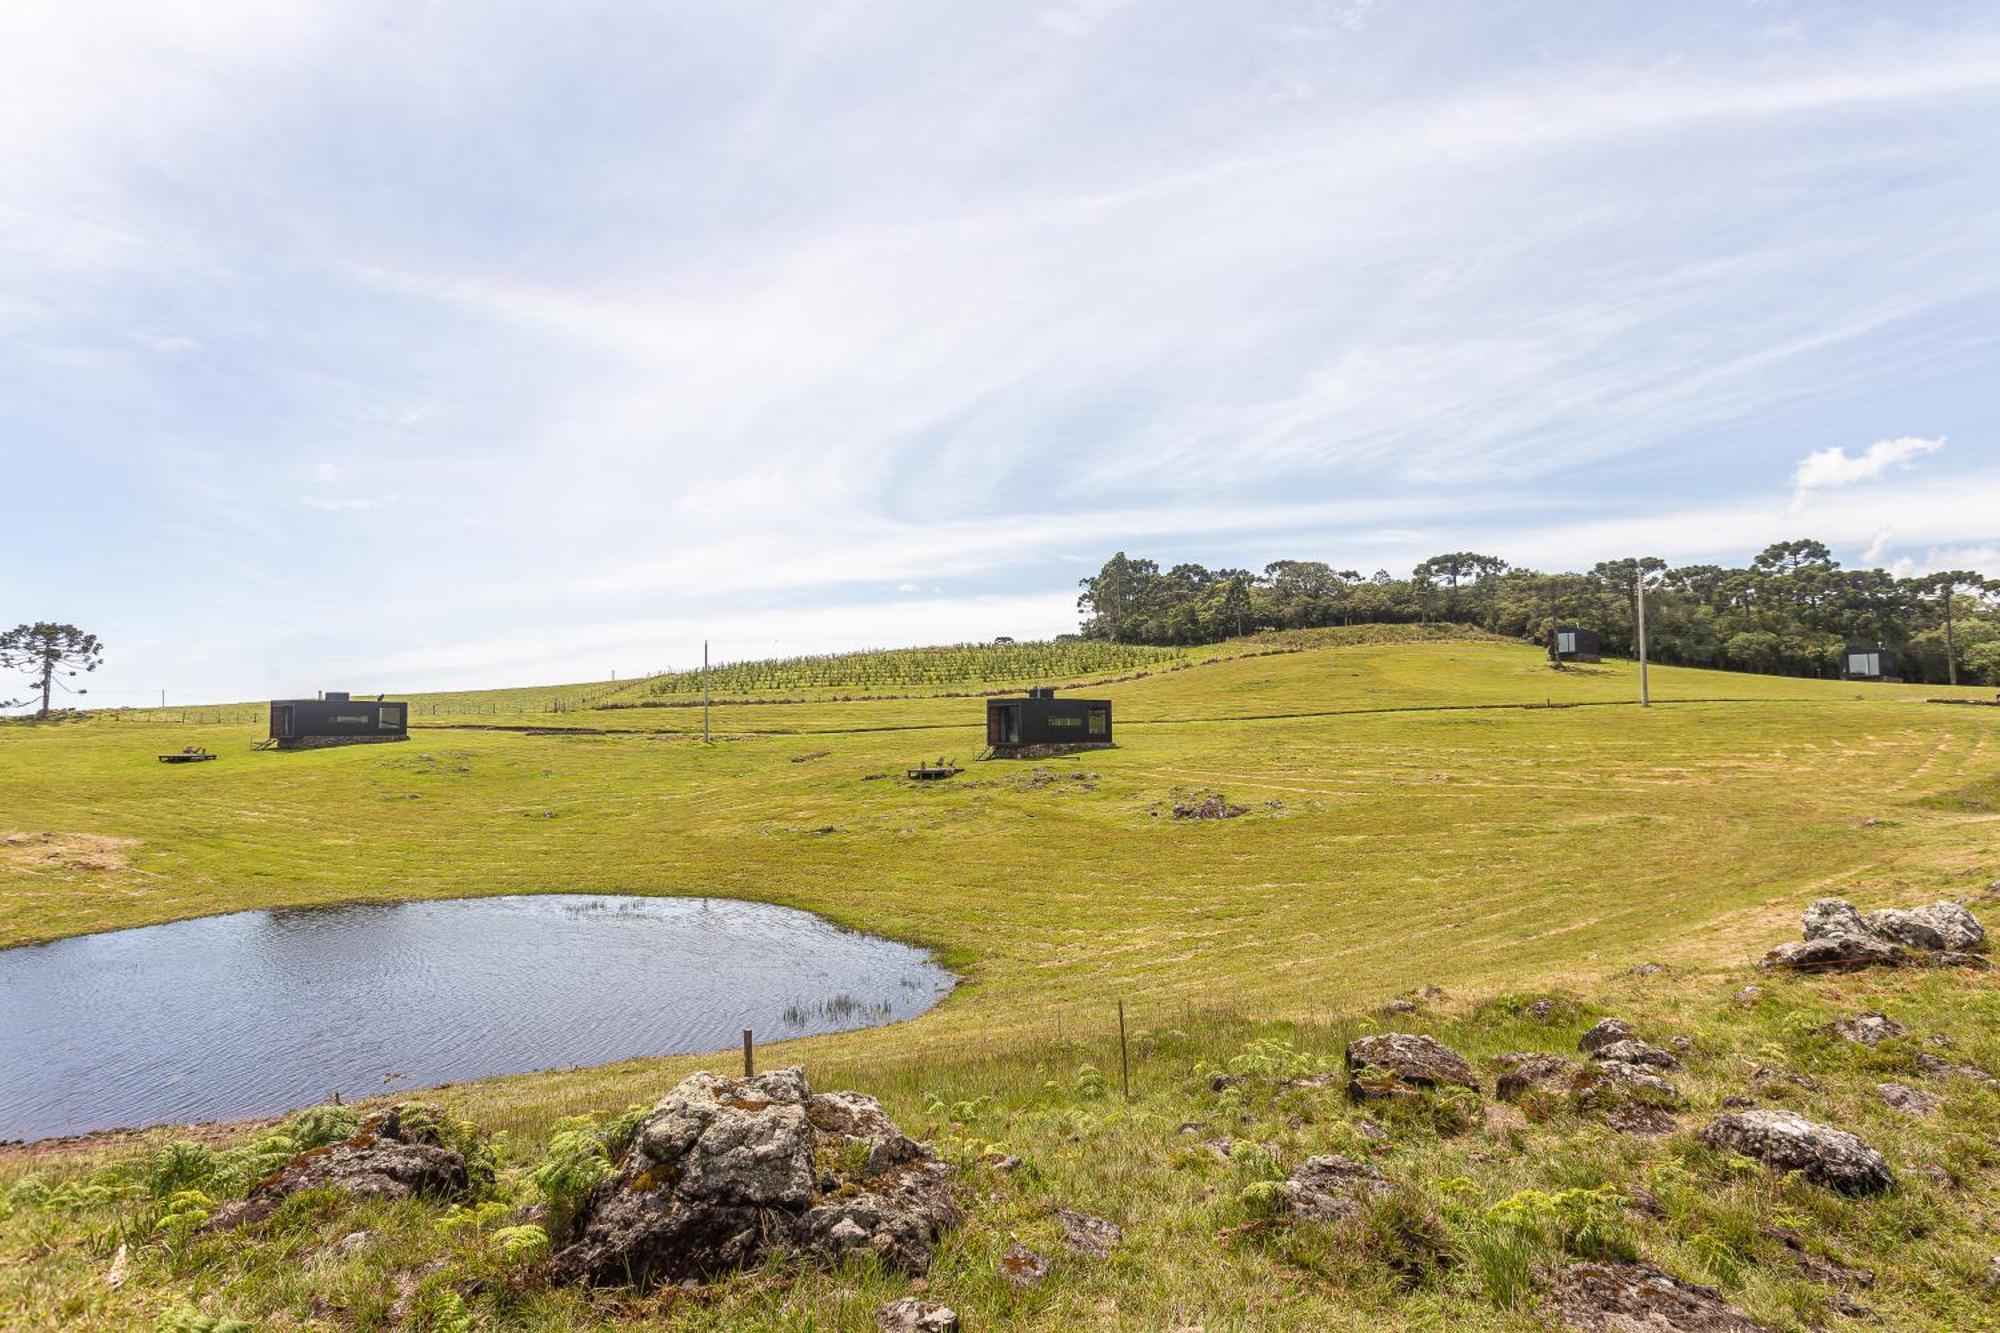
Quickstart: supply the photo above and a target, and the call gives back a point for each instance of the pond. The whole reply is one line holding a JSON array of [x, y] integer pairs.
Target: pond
[[254, 1013]]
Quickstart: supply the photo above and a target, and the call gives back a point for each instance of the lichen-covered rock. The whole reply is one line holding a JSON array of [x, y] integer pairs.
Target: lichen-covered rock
[[1023, 1267], [1086, 1234], [1832, 918], [1868, 1029], [1604, 1033], [726, 1171], [1908, 1100], [910, 1315], [1788, 1141], [1416, 1061], [1632, 1052], [1522, 1071], [1608, 1084], [394, 1155], [1834, 953], [1332, 1188], [1937, 927], [1639, 1298]]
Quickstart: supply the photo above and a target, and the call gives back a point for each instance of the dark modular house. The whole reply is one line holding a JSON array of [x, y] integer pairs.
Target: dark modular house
[[1867, 661], [1041, 722], [1568, 643], [335, 719]]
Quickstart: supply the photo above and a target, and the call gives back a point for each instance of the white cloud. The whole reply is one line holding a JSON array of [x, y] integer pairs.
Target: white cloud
[[1878, 549], [1824, 469], [326, 473], [337, 506]]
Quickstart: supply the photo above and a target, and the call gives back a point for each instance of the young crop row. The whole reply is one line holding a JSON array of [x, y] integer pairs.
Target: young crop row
[[908, 668]]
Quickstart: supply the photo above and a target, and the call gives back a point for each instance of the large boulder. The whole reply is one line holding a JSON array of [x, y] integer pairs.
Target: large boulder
[[1624, 1297], [1416, 1061], [727, 1171], [1837, 938], [1831, 918], [1942, 926], [1834, 953], [1632, 1052], [1788, 1141], [395, 1155], [1522, 1072], [1603, 1033]]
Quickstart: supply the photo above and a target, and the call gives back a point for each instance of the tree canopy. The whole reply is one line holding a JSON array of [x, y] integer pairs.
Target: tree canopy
[[1791, 610], [49, 652]]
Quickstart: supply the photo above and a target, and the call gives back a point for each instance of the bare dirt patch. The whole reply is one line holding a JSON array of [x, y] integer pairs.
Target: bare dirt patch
[[88, 853]]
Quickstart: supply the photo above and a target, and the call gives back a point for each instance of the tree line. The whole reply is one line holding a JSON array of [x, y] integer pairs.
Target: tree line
[[1790, 611]]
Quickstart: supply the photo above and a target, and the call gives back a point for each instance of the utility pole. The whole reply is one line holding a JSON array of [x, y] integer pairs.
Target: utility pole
[[704, 694], [1639, 586]]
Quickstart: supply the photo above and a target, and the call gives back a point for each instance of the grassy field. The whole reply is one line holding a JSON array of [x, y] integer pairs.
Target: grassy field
[[1443, 813]]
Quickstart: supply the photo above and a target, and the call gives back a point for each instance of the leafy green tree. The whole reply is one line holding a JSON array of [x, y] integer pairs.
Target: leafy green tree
[[48, 652]]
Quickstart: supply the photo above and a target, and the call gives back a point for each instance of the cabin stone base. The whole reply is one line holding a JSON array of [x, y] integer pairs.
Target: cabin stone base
[[328, 742], [1048, 750]]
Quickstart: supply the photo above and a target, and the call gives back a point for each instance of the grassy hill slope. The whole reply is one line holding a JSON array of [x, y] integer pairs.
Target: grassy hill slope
[[1417, 814]]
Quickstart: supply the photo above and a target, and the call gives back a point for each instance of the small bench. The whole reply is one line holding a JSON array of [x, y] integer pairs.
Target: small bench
[[194, 754]]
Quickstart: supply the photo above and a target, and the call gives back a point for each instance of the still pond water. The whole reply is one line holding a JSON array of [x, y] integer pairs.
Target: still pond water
[[254, 1013]]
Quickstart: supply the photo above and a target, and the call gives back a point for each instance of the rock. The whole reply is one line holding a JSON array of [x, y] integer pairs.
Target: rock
[[1910, 1101], [1832, 918], [1649, 969], [1399, 1007], [1736, 1101], [1332, 1188], [1770, 1078], [1208, 807], [1620, 1297], [1788, 1141], [910, 1315], [726, 1171], [1549, 1010], [1638, 1118], [1749, 995], [1612, 1083], [1604, 1033], [1867, 1029], [1993, 1264], [1022, 1267], [1977, 962], [1838, 953], [1632, 1052], [1932, 1066], [1223, 1082], [114, 1277], [1939, 927], [1416, 1062], [1368, 1129], [352, 1243], [394, 1155], [1523, 1071], [1089, 1235]]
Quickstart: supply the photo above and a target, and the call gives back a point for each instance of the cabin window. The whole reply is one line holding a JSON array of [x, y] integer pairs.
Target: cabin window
[[1100, 721], [1864, 664], [1566, 641], [1065, 722], [351, 719], [391, 719]]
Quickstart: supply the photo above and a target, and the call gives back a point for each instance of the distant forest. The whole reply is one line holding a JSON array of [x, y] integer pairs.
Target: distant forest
[[1790, 611]]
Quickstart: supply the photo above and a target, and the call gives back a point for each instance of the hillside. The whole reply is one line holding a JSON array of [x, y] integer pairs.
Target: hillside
[[1451, 814]]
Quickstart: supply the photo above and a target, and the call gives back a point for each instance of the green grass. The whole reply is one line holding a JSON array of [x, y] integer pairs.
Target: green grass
[[1419, 814]]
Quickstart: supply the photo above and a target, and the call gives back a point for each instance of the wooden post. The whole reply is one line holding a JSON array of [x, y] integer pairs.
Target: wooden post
[[749, 1062], [1124, 1061]]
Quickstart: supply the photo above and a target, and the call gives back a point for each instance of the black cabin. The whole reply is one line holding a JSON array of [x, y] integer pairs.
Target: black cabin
[[1041, 721], [1867, 661], [1568, 643], [335, 719]]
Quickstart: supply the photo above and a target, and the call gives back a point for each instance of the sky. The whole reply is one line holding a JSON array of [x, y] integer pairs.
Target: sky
[[419, 345]]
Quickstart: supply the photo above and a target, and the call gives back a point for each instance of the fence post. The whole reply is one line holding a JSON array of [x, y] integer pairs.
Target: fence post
[[749, 1062], [1124, 1061]]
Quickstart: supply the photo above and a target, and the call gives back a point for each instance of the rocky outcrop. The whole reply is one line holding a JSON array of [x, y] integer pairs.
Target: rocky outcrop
[[1332, 1188], [1631, 1297], [1941, 927], [1607, 1031], [1787, 1141], [1633, 1052], [1410, 1059], [727, 1171], [1523, 1072], [1868, 1029], [910, 1315], [395, 1155], [1837, 938]]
